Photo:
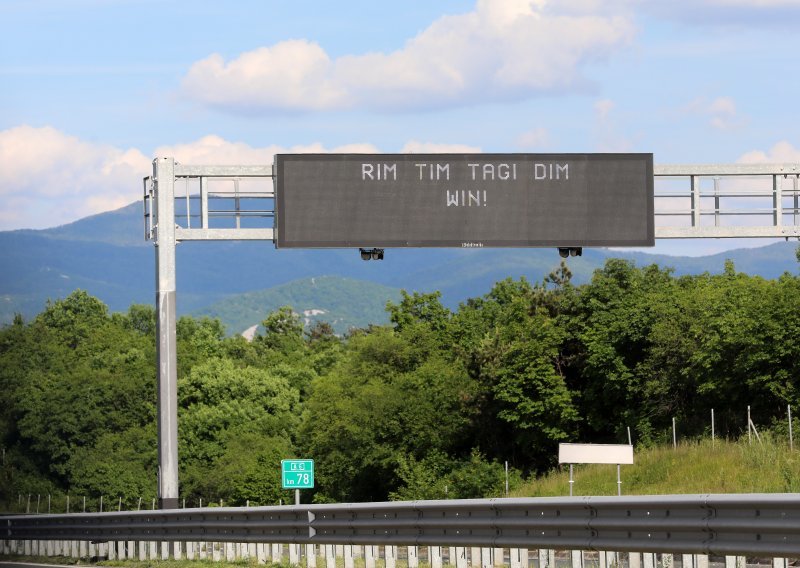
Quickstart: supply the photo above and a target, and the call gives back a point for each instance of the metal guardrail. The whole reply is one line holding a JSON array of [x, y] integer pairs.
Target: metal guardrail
[[753, 524]]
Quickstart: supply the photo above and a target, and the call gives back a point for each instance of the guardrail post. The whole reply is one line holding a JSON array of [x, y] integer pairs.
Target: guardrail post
[[688, 561], [547, 559], [412, 556], [460, 557], [390, 556], [435, 556], [261, 552], [330, 556], [347, 553], [475, 557], [487, 558], [666, 560], [780, 563], [294, 554], [577, 559], [276, 552], [370, 552], [311, 556], [734, 562]]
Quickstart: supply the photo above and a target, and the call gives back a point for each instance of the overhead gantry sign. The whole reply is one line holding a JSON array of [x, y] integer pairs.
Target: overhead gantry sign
[[444, 200]]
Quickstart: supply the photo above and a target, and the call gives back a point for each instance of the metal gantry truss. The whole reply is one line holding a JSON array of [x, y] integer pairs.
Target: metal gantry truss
[[727, 200], [212, 203], [691, 201]]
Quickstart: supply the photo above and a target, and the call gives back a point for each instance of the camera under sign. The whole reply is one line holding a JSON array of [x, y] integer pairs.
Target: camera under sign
[[371, 254], [564, 252]]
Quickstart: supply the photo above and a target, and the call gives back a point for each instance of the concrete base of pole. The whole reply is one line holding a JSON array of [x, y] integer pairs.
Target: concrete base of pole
[[168, 503]]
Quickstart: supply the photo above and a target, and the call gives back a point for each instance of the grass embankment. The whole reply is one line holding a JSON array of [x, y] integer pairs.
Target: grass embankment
[[692, 468]]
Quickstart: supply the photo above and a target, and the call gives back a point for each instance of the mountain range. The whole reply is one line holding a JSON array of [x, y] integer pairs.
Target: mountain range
[[241, 281]]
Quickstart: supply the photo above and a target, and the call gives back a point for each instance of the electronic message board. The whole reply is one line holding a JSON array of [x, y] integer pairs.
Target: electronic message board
[[463, 200]]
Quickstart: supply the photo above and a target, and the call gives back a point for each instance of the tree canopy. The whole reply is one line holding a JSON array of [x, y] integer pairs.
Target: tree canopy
[[430, 406]]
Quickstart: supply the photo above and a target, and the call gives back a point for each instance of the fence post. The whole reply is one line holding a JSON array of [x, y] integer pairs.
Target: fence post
[[712, 427], [674, 435]]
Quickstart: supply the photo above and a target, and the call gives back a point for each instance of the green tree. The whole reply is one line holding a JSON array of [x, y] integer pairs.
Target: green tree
[[389, 398]]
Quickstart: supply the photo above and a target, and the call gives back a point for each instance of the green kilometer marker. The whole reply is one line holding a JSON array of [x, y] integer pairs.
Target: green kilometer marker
[[297, 474]]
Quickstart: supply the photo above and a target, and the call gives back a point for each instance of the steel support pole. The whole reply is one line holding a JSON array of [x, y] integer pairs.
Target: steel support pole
[[164, 173]]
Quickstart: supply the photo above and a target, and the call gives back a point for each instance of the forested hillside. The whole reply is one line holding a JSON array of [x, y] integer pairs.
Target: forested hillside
[[430, 405]]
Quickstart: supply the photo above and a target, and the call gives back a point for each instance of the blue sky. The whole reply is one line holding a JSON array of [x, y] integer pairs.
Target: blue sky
[[93, 90]]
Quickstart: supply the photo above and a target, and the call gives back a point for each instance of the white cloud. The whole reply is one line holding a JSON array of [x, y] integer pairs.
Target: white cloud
[[607, 132], [292, 75], [781, 153], [215, 150], [761, 4], [416, 147], [603, 108], [726, 12], [502, 50], [49, 178], [721, 113], [533, 139]]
